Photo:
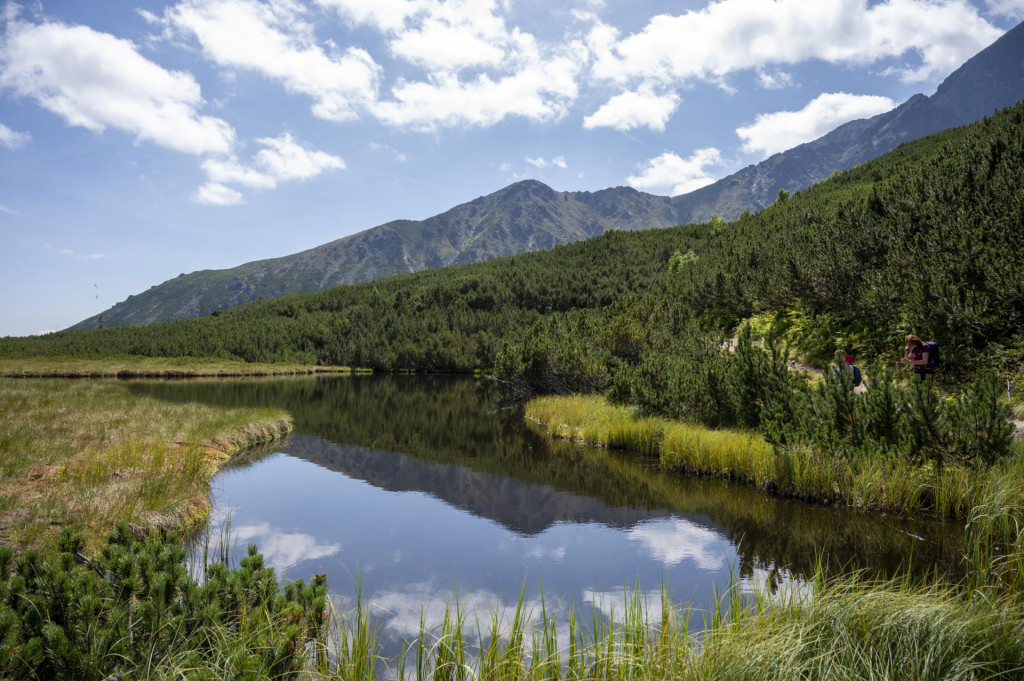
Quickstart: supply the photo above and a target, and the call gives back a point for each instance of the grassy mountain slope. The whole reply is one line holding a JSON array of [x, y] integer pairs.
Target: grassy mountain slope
[[924, 239], [526, 216]]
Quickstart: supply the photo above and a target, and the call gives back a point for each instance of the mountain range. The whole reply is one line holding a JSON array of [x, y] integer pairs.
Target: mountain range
[[529, 215]]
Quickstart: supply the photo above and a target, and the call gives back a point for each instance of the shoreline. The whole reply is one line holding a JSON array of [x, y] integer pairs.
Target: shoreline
[[87, 454], [871, 487], [157, 367]]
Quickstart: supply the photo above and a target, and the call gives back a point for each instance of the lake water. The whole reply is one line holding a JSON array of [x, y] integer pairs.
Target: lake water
[[424, 489]]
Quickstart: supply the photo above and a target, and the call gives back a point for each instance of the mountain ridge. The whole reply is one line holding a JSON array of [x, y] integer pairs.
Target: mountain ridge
[[525, 216], [989, 81], [529, 215]]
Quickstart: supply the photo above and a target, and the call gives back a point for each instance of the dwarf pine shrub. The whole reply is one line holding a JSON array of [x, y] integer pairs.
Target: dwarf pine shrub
[[136, 611]]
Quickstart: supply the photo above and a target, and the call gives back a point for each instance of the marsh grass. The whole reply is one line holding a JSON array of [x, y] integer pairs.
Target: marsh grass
[[152, 367], [88, 453], [875, 483], [837, 630]]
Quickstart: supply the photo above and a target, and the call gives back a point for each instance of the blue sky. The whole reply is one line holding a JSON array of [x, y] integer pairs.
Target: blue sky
[[140, 140]]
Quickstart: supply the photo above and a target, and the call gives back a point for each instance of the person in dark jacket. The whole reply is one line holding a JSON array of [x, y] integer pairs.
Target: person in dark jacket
[[915, 353]]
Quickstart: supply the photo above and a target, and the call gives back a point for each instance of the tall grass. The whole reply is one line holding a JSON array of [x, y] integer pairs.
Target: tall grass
[[848, 629], [88, 453], [876, 483]]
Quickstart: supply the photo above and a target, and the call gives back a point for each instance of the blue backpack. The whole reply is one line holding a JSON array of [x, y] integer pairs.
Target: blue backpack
[[933, 356], [857, 378]]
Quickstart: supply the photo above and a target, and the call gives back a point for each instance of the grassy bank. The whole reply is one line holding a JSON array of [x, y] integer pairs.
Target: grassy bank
[[151, 367], [873, 483], [88, 453]]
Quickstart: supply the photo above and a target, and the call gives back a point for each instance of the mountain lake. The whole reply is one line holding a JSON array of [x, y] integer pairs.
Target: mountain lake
[[424, 491]]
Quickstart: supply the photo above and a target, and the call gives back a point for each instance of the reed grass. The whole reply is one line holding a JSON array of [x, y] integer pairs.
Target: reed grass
[[878, 483], [151, 367], [88, 453], [846, 629]]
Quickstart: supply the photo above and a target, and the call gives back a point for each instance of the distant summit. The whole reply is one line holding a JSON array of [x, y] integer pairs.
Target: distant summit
[[525, 216], [530, 216], [991, 80]]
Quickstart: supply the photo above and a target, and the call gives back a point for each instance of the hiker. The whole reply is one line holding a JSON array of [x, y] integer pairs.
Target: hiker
[[846, 361], [917, 354]]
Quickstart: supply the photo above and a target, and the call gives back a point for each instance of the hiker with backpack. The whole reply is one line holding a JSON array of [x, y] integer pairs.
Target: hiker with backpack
[[845, 361], [923, 356]]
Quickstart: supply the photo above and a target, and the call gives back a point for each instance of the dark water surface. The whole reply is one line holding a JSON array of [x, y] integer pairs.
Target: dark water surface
[[424, 487]]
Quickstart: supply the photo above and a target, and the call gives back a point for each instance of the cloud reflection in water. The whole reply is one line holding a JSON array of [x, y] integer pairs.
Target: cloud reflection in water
[[282, 550], [673, 540]]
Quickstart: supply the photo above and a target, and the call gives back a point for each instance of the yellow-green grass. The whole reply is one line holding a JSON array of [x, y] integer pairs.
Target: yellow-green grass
[[865, 482], [828, 631], [89, 453], [151, 367]]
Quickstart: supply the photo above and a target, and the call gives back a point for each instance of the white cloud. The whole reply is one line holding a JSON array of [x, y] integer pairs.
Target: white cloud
[[281, 159], [541, 162], [97, 81], [510, 73], [541, 91], [1014, 9], [9, 211], [735, 35], [384, 15], [774, 79], [229, 170], [274, 40], [774, 132], [675, 175], [444, 35], [12, 139], [215, 194], [454, 35], [634, 109]]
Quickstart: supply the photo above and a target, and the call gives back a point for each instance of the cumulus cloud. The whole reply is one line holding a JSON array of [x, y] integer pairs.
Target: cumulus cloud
[[676, 175], [771, 133], [1014, 9], [384, 15], [97, 81], [774, 79], [634, 109], [216, 194], [281, 159], [12, 139], [541, 162], [541, 91], [734, 35], [509, 72], [274, 40]]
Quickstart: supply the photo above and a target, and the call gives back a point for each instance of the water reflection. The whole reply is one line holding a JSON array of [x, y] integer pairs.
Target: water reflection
[[424, 486]]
